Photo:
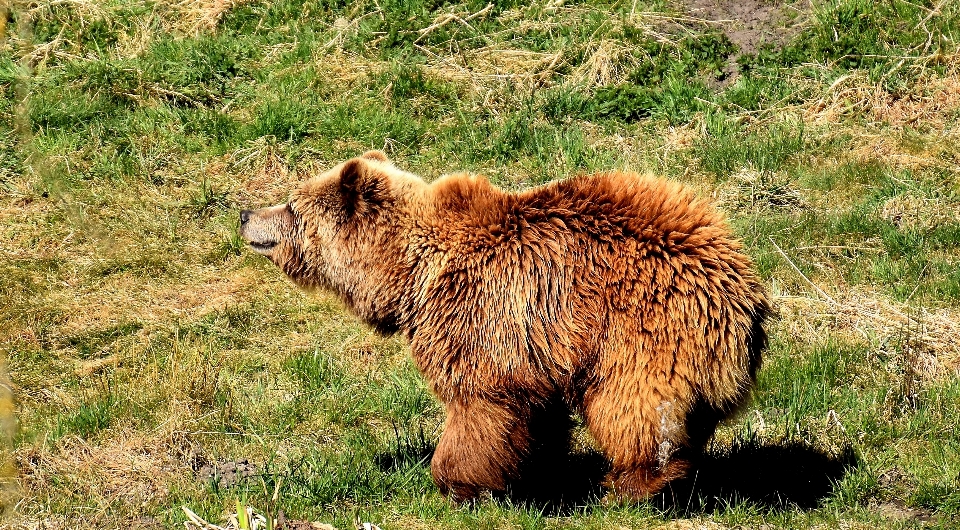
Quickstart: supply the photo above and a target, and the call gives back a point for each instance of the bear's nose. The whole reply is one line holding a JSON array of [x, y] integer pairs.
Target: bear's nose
[[244, 216]]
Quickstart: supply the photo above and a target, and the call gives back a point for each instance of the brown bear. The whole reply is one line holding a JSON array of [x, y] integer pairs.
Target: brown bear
[[620, 297]]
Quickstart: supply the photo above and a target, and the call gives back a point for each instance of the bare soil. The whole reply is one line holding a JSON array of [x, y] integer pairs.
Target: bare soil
[[227, 473], [750, 24]]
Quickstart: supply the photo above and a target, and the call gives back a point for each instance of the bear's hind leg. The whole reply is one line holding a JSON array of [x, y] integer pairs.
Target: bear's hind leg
[[641, 479], [545, 473], [645, 442]]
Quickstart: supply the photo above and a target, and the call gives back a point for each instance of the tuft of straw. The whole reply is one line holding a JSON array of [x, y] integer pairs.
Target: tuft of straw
[[131, 470], [759, 191], [608, 62], [926, 341], [195, 16]]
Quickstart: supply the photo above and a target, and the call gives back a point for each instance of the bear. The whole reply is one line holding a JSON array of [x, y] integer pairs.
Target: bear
[[619, 297]]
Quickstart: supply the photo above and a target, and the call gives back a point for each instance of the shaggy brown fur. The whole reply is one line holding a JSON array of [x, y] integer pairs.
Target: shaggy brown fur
[[618, 296]]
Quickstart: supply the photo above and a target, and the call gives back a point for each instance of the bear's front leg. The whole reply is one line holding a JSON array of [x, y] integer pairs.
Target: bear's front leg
[[482, 449]]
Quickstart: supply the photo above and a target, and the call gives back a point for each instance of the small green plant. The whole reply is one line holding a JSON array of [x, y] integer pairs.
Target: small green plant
[[207, 200], [728, 147], [90, 418], [286, 119], [248, 519], [231, 245]]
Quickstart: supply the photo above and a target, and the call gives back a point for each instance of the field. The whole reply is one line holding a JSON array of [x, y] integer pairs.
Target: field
[[154, 363]]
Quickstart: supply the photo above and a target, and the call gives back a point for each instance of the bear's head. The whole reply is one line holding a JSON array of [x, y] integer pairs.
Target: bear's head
[[345, 230]]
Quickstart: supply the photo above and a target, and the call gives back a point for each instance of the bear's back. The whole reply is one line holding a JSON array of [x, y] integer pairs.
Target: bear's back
[[610, 207], [631, 203]]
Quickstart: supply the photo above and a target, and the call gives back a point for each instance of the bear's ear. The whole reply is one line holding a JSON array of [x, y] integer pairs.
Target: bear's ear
[[379, 156], [360, 187]]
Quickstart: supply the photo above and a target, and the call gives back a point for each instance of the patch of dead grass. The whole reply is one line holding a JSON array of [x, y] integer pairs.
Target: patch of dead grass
[[932, 106], [49, 522], [484, 68], [682, 137], [199, 15], [608, 62], [22, 233], [939, 149], [932, 100], [693, 524], [343, 66], [152, 300], [262, 171], [932, 103], [926, 341], [759, 191], [913, 211], [130, 469]]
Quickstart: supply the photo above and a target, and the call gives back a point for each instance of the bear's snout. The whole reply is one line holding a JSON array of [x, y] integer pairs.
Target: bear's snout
[[265, 228]]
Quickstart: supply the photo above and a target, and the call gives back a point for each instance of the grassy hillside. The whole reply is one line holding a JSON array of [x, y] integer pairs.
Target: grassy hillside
[[156, 363]]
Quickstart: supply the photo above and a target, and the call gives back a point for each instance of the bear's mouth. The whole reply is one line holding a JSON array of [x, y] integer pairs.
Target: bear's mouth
[[263, 247]]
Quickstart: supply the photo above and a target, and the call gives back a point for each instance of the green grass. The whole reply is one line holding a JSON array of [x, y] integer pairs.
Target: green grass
[[144, 342]]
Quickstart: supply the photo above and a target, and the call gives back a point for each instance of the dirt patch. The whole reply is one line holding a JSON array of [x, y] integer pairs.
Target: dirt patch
[[898, 511], [750, 24], [228, 472]]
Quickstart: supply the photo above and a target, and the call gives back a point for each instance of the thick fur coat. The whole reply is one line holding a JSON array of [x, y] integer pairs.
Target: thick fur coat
[[616, 296]]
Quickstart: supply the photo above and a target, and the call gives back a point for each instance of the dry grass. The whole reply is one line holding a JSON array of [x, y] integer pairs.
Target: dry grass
[[126, 470], [931, 101], [196, 16], [608, 62], [925, 340], [184, 17], [914, 211], [927, 110], [142, 300], [487, 70], [872, 145], [759, 191]]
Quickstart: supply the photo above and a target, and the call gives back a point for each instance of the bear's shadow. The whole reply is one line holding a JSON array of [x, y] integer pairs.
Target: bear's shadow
[[770, 475]]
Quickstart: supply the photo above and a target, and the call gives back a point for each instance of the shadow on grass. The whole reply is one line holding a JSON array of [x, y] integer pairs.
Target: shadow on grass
[[772, 476]]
